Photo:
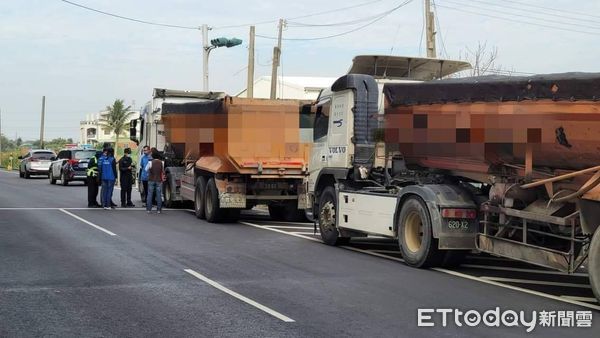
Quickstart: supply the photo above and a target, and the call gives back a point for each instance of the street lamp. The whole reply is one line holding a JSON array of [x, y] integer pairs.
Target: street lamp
[[214, 43]]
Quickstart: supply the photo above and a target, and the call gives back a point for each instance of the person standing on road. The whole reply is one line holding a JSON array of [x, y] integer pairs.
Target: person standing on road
[[92, 181], [108, 174], [126, 178], [156, 172], [143, 174]]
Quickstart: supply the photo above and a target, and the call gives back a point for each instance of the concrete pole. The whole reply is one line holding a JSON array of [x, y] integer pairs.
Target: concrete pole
[[42, 126], [205, 52], [276, 56], [430, 30], [250, 85]]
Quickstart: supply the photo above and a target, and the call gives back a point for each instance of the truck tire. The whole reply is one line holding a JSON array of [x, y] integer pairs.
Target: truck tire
[[594, 264], [212, 210], [327, 218], [51, 178], [167, 197], [27, 175], [415, 236], [199, 194], [63, 179]]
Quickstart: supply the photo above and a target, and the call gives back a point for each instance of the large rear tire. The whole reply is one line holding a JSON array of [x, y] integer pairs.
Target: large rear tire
[[594, 264], [166, 189], [212, 209], [51, 178], [417, 245], [199, 195], [327, 218], [63, 179]]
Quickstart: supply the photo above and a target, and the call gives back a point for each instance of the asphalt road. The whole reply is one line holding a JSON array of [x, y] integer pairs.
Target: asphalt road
[[67, 271]]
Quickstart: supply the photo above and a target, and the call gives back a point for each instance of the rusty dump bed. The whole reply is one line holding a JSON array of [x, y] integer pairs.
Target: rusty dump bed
[[238, 135], [471, 124]]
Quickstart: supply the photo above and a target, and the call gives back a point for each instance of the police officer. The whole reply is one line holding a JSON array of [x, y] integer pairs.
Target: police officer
[[92, 181], [126, 178]]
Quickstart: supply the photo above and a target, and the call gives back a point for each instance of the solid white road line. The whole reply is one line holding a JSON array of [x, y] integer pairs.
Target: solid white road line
[[516, 288], [287, 227], [240, 297], [306, 233], [284, 223], [280, 231], [581, 299], [535, 282], [88, 222], [387, 251], [369, 252], [503, 268]]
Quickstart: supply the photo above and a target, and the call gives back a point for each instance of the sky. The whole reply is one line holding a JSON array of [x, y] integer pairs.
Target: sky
[[82, 60]]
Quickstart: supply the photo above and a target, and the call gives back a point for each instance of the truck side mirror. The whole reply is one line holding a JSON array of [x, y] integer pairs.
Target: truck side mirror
[[133, 131]]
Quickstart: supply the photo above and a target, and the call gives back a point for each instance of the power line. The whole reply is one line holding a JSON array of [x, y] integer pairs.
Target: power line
[[560, 13], [517, 21], [439, 30], [343, 23], [552, 21], [343, 33], [128, 18], [553, 9]]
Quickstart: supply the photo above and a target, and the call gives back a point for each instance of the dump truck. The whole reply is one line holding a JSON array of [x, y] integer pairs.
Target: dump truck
[[225, 154], [508, 166]]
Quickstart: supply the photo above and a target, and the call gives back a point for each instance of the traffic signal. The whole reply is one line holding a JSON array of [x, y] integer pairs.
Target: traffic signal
[[225, 42], [233, 42], [219, 42]]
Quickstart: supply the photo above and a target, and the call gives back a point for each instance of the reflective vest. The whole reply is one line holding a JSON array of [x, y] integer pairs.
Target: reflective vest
[[92, 167]]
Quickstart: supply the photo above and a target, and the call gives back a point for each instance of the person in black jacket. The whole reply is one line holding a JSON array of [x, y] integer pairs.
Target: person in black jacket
[[126, 178], [93, 181]]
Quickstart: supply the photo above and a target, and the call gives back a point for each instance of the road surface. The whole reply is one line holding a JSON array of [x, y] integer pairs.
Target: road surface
[[68, 271]]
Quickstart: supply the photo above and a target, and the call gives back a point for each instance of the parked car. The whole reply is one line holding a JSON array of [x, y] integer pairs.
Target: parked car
[[36, 162], [70, 165]]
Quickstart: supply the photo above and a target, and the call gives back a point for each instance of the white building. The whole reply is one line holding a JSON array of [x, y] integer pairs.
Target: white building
[[290, 87], [92, 132]]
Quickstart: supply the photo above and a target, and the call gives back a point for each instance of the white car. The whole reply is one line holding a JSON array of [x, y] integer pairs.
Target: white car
[[36, 162]]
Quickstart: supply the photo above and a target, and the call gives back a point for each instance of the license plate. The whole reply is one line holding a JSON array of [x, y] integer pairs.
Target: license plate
[[458, 224], [83, 165]]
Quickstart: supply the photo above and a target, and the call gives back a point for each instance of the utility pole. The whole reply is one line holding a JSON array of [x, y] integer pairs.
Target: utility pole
[[276, 58], [205, 52], [250, 86], [430, 30], [42, 126]]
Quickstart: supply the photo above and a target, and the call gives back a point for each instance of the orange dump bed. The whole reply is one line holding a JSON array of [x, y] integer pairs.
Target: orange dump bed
[[472, 124], [251, 136]]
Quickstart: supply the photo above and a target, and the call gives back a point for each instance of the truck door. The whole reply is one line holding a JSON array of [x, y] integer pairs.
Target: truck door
[[318, 157], [341, 123]]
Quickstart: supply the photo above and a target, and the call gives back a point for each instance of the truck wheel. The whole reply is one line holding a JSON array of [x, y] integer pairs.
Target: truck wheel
[[199, 197], [276, 212], [594, 264], [51, 178], [63, 179], [167, 198], [417, 245], [327, 217], [212, 210]]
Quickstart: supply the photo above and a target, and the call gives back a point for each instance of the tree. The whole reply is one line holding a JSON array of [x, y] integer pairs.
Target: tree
[[483, 60], [117, 119]]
